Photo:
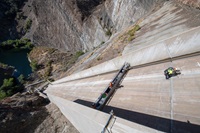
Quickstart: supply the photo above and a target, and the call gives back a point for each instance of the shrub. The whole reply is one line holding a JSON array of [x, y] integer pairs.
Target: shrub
[[9, 87], [7, 83], [76, 56], [108, 32], [48, 69], [13, 6], [73, 59], [4, 89], [21, 79], [28, 25], [99, 58], [17, 44], [130, 38], [131, 32], [137, 27], [34, 65], [79, 53], [2, 94], [102, 43], [3, 65]]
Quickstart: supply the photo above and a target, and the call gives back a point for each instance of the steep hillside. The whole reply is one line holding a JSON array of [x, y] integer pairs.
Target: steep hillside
[[102, 29], [74, 25], [8, 12], [167, 19], [193, 3]]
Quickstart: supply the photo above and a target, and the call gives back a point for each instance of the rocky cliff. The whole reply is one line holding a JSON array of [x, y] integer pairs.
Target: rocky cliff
[[73, 25], [30, 113], [8, 11], [165, 20], [193, 3]]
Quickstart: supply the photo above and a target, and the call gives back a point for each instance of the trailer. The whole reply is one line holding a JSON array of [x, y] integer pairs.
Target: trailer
[[111, 88]]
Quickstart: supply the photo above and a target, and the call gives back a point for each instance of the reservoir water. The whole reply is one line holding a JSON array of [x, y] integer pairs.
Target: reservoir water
[[18, 59]]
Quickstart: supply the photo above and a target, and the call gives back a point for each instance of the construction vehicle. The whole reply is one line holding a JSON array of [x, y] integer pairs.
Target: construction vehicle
[[111, 88]]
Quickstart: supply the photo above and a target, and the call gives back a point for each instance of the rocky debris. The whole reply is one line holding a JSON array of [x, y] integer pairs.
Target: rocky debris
[[30, 113], [193, 3], [24, 100], [22, 112], [55, 122], [52, 62]]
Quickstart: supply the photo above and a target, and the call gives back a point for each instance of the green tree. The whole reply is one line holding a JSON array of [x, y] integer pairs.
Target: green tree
[[21, 79], [7, 83], [9, 87], [28, 25], [5, 89], [17, 44]]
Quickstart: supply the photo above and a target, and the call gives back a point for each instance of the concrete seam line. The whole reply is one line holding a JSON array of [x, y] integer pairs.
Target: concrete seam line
[[168, 51], [171, 105]]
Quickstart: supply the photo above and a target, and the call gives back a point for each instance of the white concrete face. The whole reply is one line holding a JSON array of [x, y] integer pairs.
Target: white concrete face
[[164, 105], [147, 98], [182, 44], [88, 120]]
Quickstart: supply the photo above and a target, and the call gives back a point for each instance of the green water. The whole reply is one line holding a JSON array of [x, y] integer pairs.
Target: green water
[[18, 59]]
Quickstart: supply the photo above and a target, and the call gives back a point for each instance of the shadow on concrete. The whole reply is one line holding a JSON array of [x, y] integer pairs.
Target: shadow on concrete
[[155, 122]]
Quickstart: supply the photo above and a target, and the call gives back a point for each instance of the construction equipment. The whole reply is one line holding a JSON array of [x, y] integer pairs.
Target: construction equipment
[[113, 85], [108, 123], [174, 72]]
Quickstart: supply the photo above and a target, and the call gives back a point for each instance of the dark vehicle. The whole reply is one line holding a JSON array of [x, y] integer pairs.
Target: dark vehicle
[[109, 91], [174, 72]]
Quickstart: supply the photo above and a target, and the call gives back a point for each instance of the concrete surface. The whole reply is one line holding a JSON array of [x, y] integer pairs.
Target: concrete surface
[[147, 98], [182, 44], [88, 120], [163, 22]]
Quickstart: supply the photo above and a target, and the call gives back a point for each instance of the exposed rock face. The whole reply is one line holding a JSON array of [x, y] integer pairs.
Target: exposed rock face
[[167, 19], [69, 25], [55, 122], [29, 113], [8, 11], [194, 3], [6, 72], [22, 113]]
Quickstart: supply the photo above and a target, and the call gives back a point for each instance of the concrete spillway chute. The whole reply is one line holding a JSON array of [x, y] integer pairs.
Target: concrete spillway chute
[[148, 102]]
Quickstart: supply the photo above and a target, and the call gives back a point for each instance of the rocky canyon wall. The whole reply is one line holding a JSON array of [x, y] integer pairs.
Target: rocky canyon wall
[[193, 3], [73, 25]]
